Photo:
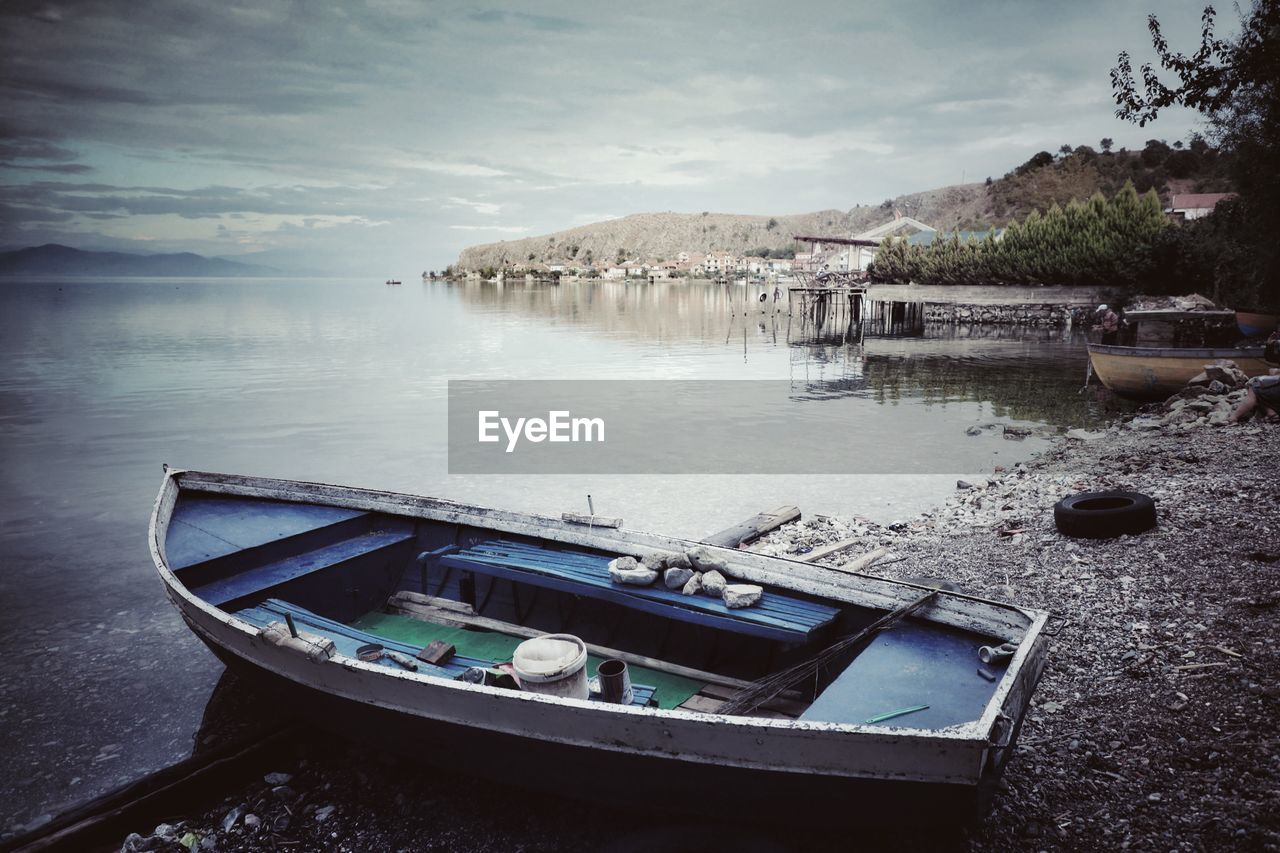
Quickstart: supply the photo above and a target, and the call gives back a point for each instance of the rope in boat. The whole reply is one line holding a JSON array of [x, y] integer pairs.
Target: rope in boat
[[772, 686]]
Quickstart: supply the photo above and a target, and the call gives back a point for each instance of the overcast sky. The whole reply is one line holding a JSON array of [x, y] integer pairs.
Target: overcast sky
[[381, 137]]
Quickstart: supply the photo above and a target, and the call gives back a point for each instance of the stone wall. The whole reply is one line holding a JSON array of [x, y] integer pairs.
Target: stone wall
[[997, 304], [986, 294], [1027, 315]]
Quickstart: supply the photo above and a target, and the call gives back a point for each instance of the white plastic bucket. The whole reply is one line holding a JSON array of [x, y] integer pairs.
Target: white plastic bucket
[[554, 665]]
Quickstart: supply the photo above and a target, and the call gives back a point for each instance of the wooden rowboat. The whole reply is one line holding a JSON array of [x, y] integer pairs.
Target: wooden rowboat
[[243, 557], [1154, 373]]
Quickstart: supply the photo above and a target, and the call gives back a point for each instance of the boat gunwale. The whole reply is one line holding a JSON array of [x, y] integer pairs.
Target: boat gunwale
[[979, 730], [1177, 352]]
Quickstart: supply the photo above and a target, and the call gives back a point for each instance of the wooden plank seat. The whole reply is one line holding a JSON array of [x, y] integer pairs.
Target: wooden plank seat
[[347, 639], [775, 617], [221, 584]]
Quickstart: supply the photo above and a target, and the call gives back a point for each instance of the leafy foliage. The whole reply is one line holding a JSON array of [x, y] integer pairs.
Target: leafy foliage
[[1042, 181], [1235, 85], [1095, 242]]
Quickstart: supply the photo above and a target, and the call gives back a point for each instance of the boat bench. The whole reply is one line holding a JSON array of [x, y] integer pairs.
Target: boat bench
[[355, 540], [775, 617], [347, 639]]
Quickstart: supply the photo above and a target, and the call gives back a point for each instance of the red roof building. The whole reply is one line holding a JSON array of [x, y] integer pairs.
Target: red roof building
[[1185, 206]]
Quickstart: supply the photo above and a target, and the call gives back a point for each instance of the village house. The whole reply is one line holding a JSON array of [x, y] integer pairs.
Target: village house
[[854, 254], [1187, 206], [719, 262], [691, 263]]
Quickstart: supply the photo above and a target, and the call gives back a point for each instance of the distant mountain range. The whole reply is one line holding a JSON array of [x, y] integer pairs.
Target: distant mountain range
[[53, 259]]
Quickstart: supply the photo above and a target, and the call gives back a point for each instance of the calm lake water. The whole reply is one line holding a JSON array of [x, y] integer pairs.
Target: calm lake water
[[345, 381]]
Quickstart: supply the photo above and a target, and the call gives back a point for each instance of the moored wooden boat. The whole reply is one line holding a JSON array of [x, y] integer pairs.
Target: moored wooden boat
[[242, 556], [1153, 373]]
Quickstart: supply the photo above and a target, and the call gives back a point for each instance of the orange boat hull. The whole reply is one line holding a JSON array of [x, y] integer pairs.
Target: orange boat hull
[[1153, 373]]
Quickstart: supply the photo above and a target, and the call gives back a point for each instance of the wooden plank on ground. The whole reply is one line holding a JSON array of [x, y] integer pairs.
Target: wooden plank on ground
[[818, 553], [753, 528], [864, 561]]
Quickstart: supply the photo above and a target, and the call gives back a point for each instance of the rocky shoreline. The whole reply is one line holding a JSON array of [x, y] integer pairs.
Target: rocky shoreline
[[1155, 726]]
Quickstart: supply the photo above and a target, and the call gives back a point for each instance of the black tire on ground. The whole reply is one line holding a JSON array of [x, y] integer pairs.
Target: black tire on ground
[[1102, 515]]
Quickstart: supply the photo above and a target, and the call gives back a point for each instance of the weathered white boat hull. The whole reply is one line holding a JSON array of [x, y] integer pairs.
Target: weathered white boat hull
[[958, 759]]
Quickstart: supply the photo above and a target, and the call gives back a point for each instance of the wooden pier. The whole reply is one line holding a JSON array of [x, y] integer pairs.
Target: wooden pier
[[829, 314]]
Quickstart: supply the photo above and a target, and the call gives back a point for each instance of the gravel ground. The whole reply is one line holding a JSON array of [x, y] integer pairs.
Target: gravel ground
[[1154, 727], [1155, 724]]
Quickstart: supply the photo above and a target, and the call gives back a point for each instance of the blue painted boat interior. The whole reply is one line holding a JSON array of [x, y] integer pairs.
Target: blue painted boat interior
[[329, 566], [912, 664], [206, 526], [347, 640]]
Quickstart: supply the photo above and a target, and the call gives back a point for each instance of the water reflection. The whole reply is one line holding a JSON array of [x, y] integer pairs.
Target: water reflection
[[1027, 373]]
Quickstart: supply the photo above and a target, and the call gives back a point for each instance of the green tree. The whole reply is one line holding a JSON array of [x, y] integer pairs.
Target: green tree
[[1235, 85], [1084, 242]]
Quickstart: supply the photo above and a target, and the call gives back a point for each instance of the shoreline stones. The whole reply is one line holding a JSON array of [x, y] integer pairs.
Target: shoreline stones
[[654, 562], [627, 570], [677, 578], [739, 595], [704, 561], [679, 561], [713, 582], [695, 571]]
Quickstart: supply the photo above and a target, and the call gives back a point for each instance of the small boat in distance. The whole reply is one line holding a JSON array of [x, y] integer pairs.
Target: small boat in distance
[[1154, 373], [393, 281], [348, 603], [1164, 349]]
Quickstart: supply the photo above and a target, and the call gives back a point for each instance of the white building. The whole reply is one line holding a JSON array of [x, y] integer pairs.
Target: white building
[[1184, 206]]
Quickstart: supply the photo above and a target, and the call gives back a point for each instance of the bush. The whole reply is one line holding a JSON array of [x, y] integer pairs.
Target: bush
[[1098, 242]]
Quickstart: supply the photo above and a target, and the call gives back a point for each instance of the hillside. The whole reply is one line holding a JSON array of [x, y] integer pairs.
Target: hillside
[[658, 236], [1040, 182], [53, 259], [1045, 180]]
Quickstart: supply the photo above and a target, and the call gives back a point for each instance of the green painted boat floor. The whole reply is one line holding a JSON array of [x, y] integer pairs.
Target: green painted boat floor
[[672, 690]]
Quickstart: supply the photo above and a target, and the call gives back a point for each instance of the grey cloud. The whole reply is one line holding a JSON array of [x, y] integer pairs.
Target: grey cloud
[[60, 168], [202, 203], [692, 166], [545, 23], [239, 107]]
